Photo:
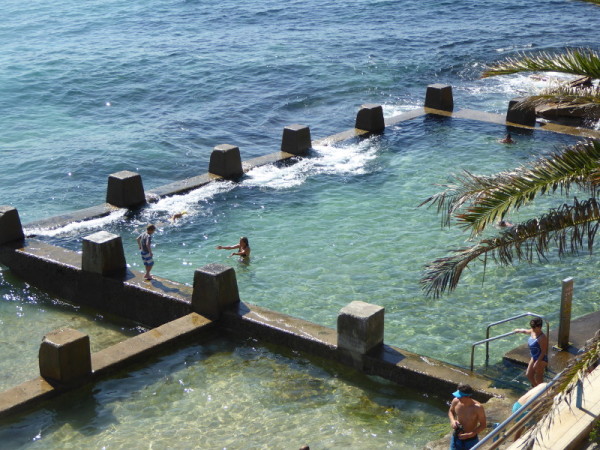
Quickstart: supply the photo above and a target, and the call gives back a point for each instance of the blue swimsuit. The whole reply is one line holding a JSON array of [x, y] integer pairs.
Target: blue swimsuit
[[535, 350]]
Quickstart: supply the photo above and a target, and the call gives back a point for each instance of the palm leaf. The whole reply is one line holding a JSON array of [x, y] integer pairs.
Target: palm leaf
[[569, 227], [585, 62], [486, 199]]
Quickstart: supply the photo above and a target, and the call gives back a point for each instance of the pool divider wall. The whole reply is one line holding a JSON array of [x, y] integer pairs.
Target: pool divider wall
[[10, 225], [225, 161], [369, 119], [215, 289], [296, 140], [103, 253], [125, 189], [66, 362], [439, 96], [520, 114]]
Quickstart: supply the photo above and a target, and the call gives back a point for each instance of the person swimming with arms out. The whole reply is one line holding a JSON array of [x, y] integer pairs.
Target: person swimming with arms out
[[243, 248]]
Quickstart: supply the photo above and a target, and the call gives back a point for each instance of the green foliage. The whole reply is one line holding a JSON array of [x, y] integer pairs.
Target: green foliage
[[475, 202]]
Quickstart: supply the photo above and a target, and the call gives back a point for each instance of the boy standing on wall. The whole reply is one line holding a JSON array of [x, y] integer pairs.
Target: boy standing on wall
[[467, 418], [144, 241]]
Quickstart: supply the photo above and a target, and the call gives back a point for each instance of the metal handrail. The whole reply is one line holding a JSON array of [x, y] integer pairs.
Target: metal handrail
[[487, 333], [485, 341]]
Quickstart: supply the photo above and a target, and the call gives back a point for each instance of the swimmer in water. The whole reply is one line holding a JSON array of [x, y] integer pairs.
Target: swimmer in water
[[507, 139], [243, 248]]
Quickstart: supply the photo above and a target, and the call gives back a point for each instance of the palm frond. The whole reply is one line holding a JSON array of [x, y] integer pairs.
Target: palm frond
[[485, 199], [585, 62], [561, 94], [569, 227]]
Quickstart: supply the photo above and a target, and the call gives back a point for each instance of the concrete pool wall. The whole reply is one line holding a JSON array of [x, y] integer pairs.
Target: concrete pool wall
[[116, 289]]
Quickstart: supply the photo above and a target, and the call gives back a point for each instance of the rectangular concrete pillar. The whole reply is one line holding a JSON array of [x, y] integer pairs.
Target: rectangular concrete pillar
[[225, 161], [370, 118], [360, 327], [519, 114], [65, 356], [215, 289], [564, 326], [296, 139], [10, 225], [439, 96], [125, 189], [102, 253]]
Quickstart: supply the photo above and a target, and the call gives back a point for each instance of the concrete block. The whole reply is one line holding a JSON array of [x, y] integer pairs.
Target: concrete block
[[10, 225], [125, 189], [215, 289], [296, 139], [439, 96], [102, 253], [225, 161], [65, 356], [370, 118], [519, 115], [360, 327]]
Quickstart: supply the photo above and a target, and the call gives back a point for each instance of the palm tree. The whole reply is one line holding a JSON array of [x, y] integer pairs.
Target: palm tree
[[474, 202], [583, 62]]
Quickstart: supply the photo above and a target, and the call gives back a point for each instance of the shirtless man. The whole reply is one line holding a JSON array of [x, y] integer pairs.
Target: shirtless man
[[467, 418]]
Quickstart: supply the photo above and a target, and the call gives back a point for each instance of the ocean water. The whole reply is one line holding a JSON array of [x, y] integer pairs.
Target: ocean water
[[89, 89]]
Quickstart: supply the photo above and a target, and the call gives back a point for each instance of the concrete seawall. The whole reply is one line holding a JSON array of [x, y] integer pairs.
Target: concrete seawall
[[163, 302]]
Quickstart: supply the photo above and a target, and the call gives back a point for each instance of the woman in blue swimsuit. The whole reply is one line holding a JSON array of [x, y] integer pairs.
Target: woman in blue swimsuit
[[538, 349]]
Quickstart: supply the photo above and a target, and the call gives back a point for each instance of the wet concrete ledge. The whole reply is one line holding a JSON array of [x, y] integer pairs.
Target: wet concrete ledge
[[155, 303], [397, 365], [34, 392]]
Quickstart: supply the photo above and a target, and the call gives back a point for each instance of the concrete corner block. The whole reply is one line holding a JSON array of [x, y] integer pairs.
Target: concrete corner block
[[370, 118], [360, 327], [102, 253], [296, 139], [439, 96], [10, 225], [215, 289], [125, 189], [225, 161], [520, 115], [65, 355]]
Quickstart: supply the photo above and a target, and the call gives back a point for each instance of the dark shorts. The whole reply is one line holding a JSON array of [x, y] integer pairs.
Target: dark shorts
[[458, 444]]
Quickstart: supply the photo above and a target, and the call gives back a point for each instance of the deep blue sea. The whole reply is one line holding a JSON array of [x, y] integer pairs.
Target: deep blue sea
[[92, 88]]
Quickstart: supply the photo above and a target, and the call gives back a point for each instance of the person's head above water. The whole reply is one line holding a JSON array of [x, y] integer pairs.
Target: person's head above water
[[244, 241]]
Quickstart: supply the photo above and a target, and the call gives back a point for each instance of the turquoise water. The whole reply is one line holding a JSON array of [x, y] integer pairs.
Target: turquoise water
[[90, 89]]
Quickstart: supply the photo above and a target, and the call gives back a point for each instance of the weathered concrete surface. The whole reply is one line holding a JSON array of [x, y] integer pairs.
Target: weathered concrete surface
[[64, 356], [125, 189], [439, 96], [58, 271], [582, 329], [10, 225], [225, 161], [215, 288], [360, 327], [397, 365], [296, 139], [139, 348], [102, 253]]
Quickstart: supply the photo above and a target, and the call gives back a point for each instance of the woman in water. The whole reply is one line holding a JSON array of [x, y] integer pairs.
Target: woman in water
[[538, 349], [243, 248]]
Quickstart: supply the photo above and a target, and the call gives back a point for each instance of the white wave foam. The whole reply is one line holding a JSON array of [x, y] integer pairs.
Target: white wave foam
[[77, 227], [351, 159]]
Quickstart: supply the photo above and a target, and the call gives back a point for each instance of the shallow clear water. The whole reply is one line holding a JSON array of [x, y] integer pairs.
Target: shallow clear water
[[152, 86], [192, 399]]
